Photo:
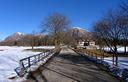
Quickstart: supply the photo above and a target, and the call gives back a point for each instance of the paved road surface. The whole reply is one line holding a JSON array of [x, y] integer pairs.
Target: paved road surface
[[69, 66]]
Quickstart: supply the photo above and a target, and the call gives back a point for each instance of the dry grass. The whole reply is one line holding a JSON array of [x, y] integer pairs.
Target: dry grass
[[38, 50], [95, 52]]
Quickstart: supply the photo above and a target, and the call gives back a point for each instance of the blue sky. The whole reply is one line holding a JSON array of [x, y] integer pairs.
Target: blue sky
[[26, 15]]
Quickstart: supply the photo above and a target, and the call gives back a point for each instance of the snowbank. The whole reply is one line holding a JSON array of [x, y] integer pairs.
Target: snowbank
[[119, 49], [9, 59], [122, 61], [119, 71]]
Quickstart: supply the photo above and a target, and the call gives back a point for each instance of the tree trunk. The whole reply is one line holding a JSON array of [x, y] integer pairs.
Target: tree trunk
[[32, 47], [125, 48], [116, 55], [113, 59], [116, 60], [103, 55]]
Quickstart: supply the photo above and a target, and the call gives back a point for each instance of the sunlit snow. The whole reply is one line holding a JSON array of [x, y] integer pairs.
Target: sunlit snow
[[9, 59]]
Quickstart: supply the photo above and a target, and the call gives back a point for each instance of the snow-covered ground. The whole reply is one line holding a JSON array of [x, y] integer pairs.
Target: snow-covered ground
[[119, 49], [9, 59], [122, 61], [45, 47]]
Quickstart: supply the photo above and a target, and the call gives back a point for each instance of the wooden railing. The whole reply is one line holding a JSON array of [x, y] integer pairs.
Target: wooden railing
[[95, 53], [27, 62], [100, 56]]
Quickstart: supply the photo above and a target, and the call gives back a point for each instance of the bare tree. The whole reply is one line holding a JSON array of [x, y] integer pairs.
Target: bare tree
[[124, 7], [124, 22], [109, 31], [55, 24], [69, 39], [29, 40], [73, 36]]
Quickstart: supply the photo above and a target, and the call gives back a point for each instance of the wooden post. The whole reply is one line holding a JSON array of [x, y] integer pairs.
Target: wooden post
[[103, 55], [22, 69], [29, 62], [96, 55], [38, 57], [35, 59]]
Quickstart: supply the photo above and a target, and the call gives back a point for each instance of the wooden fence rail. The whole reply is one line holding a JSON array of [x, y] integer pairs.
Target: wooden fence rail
[[27, 62], [101, 56]]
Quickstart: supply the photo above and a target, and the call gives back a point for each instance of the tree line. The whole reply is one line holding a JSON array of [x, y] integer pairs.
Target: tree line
[[29, 40]]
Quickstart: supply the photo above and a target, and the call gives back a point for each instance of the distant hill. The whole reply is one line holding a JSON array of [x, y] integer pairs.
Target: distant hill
[[20, 39], [82, 33], [80, 30], [14, 37]]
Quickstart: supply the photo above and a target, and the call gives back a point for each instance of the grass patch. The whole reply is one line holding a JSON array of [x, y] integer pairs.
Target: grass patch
[[100, 53], [124, 55], [95, 52], [121, 54]]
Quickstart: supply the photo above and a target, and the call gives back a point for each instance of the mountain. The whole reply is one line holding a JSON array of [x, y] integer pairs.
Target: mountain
[[82, 33], [14, 37], [80, 30]]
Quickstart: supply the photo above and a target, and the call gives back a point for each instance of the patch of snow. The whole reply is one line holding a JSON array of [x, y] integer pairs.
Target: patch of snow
[[119, 49], [123, 61], [78, 27], [19, 33], [118, 71], [45, 47], [9, 60]]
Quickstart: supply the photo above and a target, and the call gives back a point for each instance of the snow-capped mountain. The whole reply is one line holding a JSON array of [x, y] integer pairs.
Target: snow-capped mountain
[[82, 33], [19, 33], [15, 36], [80, 30]]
